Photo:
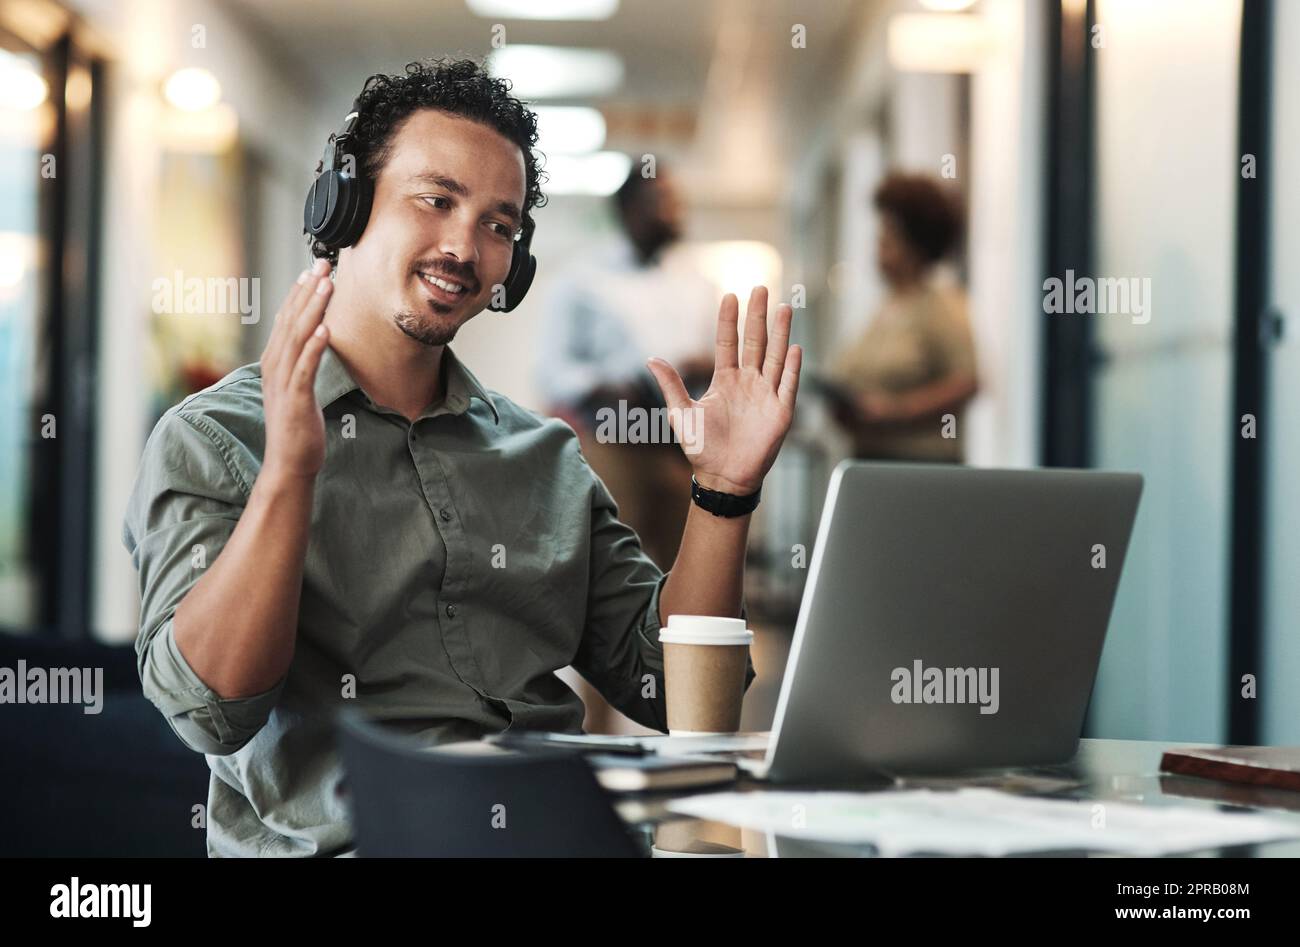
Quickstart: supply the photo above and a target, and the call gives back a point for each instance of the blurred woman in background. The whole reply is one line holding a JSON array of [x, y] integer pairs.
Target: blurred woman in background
[[908, 377]]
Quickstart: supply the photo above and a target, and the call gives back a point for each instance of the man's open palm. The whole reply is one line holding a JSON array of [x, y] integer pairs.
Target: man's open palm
[[733, 433]]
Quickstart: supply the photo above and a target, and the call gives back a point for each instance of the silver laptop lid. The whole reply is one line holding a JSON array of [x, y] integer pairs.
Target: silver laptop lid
[[954, 618]]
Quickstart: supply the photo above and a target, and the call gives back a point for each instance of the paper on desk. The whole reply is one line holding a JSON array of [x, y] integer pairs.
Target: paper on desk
[[983, 822], [1034, 784]]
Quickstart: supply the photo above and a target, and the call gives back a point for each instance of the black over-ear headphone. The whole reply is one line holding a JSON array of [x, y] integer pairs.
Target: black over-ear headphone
[[338, 206]]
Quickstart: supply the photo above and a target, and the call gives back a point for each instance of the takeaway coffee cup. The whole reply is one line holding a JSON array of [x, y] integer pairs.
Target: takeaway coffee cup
[[704, 673], [697, 838]]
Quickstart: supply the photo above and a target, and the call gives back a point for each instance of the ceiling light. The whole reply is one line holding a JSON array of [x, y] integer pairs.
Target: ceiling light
[[569, 130], [544, 9], [599, 174], [554, 72]]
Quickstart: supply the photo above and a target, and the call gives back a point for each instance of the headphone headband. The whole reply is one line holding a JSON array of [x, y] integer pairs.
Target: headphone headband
[[344, 136]]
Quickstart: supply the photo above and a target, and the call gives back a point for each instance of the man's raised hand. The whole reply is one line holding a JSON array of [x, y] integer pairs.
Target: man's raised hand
[[742, 419], [295, 427]]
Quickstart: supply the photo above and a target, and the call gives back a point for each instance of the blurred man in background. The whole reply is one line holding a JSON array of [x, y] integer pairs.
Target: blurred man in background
[[604, 317]]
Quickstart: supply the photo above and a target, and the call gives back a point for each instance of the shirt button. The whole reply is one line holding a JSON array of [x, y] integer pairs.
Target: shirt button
[[446, 516], [451, 611]]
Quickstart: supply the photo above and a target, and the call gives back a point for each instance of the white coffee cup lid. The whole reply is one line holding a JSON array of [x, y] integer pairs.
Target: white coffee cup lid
[[705, 629]]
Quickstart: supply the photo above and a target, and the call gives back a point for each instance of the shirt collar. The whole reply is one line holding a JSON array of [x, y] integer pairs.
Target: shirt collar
[[462, 386], [333, 382]]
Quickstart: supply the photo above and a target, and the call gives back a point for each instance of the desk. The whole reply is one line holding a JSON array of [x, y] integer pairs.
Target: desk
[[1114, 770]]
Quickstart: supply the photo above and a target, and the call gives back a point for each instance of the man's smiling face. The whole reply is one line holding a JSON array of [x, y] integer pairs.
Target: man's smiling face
[[447, 204]]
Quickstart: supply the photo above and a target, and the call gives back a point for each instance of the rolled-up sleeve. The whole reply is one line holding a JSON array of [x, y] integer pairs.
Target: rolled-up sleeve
[[620, 653], [185, 505]]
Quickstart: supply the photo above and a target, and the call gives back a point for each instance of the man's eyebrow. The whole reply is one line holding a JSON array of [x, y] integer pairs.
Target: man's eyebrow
[[509, 208], [442, 181]]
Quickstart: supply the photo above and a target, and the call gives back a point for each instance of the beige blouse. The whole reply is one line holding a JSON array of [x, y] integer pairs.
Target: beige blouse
[[917, 338]]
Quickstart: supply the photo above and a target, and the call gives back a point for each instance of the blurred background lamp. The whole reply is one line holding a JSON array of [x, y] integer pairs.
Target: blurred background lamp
[[556, 72], [938, 42], [544, 9], [737, 266], [598, 174], [192, 89], [79, 89], [21, 87], [569, 129]]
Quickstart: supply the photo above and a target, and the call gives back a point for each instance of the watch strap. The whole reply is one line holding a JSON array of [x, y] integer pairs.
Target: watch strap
[[723, 504]]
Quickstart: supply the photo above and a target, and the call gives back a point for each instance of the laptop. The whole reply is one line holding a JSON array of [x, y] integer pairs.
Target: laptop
[[953, 620]]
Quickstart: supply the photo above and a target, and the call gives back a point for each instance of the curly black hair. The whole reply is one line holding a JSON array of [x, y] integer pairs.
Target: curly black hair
[[929, 214], [458, 86]]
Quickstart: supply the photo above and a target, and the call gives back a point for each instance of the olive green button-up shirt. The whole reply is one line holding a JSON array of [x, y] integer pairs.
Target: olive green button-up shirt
[[454, 564]]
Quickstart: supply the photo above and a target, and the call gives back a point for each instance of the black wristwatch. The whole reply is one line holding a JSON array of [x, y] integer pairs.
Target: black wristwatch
[[723, 504]]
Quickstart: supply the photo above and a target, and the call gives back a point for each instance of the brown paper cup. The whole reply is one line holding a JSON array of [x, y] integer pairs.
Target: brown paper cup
[[697, 838], [704, 673]]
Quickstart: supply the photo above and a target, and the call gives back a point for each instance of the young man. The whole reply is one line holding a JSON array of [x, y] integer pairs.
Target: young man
[[356, 520]]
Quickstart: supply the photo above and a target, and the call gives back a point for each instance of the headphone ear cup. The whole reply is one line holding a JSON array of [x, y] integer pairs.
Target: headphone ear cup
[[337, 209], [518, 287], [523, 267], [356, 211], [321, 199]]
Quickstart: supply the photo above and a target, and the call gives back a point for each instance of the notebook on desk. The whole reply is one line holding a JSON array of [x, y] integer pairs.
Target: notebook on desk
[[623, 774]]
